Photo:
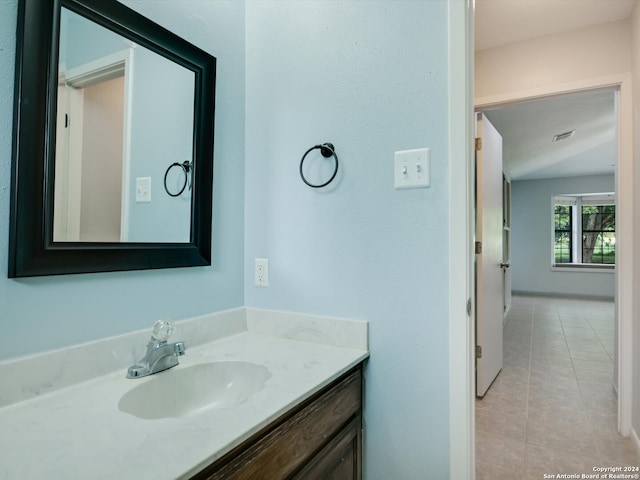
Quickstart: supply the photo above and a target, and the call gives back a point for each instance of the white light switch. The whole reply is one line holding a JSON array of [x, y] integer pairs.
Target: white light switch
[[411, 168], [143, 189]]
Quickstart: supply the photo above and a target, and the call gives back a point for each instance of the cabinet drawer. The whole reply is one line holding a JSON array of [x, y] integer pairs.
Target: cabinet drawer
[[285, 446]]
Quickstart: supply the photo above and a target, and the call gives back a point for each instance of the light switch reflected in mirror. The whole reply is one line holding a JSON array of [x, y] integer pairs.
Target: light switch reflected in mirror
[[125, 114]]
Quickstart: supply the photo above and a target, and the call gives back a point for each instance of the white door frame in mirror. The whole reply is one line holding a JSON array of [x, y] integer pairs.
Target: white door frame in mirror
[[69, 147]]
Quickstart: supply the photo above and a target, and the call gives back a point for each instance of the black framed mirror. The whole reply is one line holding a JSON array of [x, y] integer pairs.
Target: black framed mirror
[[73, 211]]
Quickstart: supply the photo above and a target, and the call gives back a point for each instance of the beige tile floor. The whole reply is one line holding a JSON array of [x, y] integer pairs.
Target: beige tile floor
[[552, 409]]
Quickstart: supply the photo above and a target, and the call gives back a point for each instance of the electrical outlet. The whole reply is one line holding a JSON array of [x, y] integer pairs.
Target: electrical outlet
[[261, 272]]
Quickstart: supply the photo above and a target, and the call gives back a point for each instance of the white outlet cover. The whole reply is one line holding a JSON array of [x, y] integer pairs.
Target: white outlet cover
[[412, 168], [261, 272]]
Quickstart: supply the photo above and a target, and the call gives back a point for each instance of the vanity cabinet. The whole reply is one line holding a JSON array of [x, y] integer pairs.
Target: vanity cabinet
[[321, 438]]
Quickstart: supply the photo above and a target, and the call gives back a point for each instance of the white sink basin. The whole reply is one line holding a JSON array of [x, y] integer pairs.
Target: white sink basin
[[183, 391]]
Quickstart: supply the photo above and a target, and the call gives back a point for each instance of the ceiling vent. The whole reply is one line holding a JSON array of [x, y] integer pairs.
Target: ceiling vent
[[563, 136]]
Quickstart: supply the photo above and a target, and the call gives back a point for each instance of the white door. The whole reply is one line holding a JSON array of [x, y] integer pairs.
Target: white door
[[489, 257]]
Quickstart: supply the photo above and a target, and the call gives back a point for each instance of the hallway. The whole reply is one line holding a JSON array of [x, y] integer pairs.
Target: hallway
[[552, 409]]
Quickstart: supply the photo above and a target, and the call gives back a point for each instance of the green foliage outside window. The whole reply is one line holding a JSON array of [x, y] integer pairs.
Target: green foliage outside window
[[599, 234], [563, 226]]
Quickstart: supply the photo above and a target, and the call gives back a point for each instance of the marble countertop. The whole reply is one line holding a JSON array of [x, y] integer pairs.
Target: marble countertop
[[79, 432]]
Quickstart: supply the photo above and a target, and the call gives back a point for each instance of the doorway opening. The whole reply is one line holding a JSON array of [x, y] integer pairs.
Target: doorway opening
[[92, 154], [462, 391], [552, 171]]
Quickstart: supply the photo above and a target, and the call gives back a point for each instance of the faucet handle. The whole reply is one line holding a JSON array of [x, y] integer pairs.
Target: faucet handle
[[162, 330]]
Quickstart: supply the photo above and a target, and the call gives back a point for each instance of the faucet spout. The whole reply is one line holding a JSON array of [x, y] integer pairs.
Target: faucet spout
[[179, 348]]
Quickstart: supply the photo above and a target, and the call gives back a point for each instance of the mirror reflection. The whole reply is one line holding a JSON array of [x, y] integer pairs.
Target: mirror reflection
[[125, 115]]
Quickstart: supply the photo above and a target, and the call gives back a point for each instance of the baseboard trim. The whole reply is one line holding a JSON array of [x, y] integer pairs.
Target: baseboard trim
[[527, 293]]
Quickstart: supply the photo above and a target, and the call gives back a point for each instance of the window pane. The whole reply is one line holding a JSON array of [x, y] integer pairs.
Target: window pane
[[598, 234], [563, 217], [562, 241], [562, 248]]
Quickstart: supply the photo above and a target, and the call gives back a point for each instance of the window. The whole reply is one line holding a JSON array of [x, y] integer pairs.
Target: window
[[584, 230]]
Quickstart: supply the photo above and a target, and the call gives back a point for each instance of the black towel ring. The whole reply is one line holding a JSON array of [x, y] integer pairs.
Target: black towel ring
[[327, 150], [186, 168]]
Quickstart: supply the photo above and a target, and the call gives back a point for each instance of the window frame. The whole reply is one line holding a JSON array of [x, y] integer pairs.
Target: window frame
[[577, 201]]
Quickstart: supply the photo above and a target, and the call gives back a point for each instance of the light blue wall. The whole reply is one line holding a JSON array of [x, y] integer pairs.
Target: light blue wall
[[370, 77], [83, 41], [531, 238], [161, 134], [38, 314]]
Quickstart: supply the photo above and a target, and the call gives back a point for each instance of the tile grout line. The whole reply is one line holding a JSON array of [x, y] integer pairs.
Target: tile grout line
[[600, 340], [526, 408]]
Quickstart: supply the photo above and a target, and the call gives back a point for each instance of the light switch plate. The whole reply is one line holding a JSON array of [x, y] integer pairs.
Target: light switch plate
[[412, 168], [143, 189]]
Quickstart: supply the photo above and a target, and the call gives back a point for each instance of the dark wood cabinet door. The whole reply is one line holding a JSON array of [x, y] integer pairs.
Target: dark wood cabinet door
[[340, 459]]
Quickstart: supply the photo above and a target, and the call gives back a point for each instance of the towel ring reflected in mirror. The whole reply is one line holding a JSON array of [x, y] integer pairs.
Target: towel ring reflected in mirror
[[186, 169]]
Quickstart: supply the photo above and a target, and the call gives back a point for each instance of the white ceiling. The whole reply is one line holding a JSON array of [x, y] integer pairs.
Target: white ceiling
[[528, 128]]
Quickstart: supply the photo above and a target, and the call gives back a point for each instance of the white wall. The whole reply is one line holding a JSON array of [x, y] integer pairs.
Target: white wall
[[38, 314], [636, 137], [102, 140], [557, 59], [370, 77], [532, 234]]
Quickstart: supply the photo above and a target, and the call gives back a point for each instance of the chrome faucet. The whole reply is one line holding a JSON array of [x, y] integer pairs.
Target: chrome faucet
[[160, 354]]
